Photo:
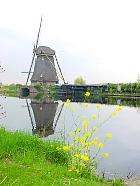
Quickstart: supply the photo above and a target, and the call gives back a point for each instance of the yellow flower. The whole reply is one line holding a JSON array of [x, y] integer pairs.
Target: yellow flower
[[67, 105], [114, 113], [101, 145], [96, 139], [72, 108], [77, 131], [98, 106], [66, 148], [93, 170], [82, 140], [106, 155], [70, 133], [94, 117], [95, 128], [88, 133], [68, 100], [119, 108], [95, 143], [85, 157], [85, 123], [90, 143], [77, 155], [85, 117], [82, 165], [88, 149], [72, 168], [76, 138], [109, 135], [87, 94]]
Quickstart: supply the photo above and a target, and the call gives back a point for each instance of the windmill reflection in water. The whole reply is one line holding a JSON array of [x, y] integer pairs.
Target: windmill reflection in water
[[44, 116]]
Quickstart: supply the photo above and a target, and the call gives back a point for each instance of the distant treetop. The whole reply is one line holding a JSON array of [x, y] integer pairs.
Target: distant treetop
[[79, 81]]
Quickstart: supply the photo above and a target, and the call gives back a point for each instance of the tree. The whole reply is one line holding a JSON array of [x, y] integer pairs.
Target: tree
[[79, 81]]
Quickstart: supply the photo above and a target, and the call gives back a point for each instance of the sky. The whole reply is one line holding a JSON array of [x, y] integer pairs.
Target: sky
[[96, 39]]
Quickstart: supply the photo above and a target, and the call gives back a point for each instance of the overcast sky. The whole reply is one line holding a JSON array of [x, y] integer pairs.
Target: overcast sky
[[96, 39]]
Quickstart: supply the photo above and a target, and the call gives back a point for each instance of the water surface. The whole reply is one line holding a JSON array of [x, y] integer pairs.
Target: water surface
[[52, 119]]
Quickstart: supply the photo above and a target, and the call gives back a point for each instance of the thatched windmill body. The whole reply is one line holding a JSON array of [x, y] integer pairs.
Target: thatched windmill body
[[44, 70]]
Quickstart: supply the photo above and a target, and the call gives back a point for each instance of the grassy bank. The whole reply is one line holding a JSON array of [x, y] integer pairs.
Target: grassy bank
[[10, 90], [27, 160]]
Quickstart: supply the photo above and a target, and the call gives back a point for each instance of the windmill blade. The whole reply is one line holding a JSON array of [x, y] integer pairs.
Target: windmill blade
[[30, 68], [38, 34], [34, 51], [59, 69]]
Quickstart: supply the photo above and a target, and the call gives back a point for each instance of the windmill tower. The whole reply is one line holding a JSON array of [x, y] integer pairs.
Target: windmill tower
[[44, 70]]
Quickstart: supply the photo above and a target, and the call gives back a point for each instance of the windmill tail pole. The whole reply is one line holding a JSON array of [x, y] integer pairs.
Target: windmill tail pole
[[34, 50], [60, 69]]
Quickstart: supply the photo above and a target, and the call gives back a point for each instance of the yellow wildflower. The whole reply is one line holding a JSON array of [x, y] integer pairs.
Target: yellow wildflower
[[70, 133], [85, 157], [106, 155], [72, 168], [87, 94], [85, 117], [66, 148], [72, 108], [77, 155], [85, 123], [82, 165], [94, 117], [114, 113], [95, 128], [76, 138], [96, 139], [93, 170], [83, 145], [98, 106], [88, 133], [90, 144], [95, 143], [82, 140], [67, 105], [77, 131], [109, 135], [88, 148], [68, 100], [119, 108], [101, 145]]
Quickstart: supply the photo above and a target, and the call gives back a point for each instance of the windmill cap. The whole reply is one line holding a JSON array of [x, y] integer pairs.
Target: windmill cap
[[44, 50]]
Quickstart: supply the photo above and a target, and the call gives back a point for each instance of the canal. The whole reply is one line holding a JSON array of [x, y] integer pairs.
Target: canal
[[52, 120]]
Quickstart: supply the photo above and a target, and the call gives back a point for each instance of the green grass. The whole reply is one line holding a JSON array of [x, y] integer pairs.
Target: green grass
[[28, 160], [10, 90]]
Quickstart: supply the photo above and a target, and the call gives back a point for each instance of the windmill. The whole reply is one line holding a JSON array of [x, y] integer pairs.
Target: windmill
[[45, 65]]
